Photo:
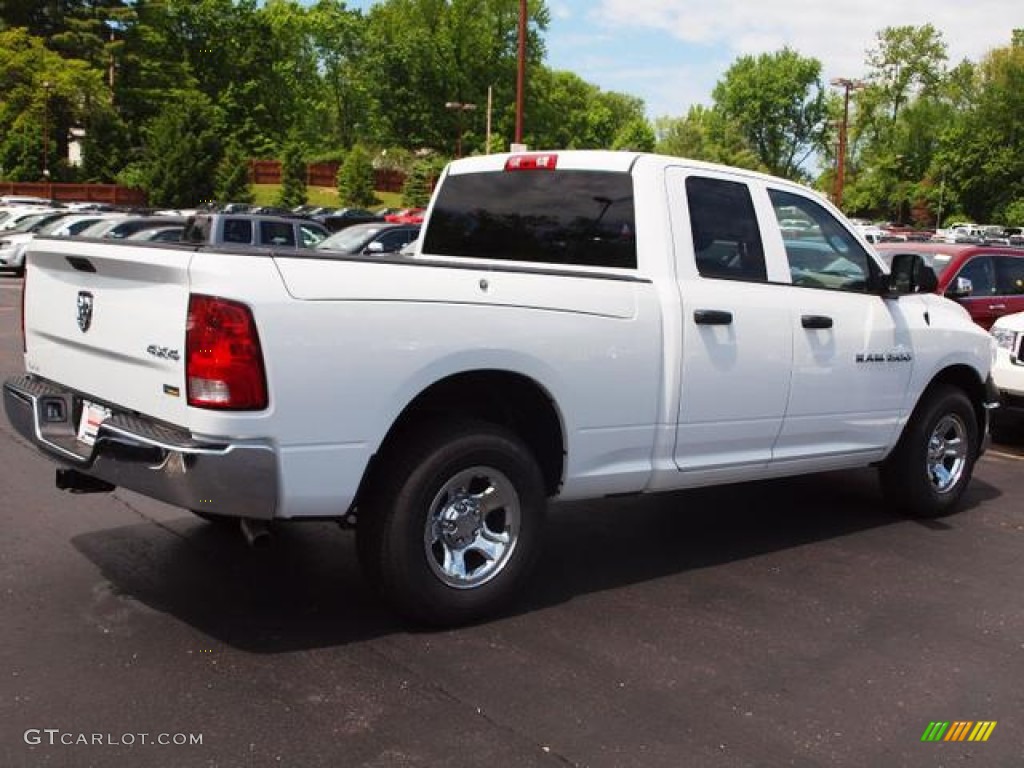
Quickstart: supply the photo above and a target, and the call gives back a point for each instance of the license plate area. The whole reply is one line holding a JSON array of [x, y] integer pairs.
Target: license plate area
[[92, 416]]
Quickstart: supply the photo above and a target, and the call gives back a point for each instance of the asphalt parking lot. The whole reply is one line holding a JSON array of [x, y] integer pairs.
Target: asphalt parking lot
[[787, 623]]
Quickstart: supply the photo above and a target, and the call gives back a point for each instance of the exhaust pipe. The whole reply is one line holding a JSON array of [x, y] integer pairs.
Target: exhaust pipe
[[78, 482], [256, 533]]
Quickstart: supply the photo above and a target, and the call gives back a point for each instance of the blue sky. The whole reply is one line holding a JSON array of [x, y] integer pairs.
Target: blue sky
[[672, 52]]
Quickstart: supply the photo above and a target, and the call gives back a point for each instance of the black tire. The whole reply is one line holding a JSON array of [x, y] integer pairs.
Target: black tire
[[932, 464], [422, 537]]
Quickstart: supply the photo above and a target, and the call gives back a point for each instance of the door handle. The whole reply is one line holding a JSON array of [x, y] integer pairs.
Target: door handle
[[712, 317], [816, 321], [997, 306]]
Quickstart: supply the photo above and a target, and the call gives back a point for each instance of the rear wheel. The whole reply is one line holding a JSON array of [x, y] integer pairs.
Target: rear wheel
[[452, 526], [930, 468]]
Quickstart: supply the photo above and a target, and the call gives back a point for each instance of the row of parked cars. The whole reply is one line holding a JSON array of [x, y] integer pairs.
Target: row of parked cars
[[22, 220], [333, 218]]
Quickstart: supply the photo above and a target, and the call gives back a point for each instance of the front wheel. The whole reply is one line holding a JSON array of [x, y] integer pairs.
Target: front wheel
[[451, 527], [932, 464]]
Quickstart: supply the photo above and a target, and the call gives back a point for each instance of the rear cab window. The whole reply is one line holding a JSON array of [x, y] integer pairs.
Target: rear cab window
[[551, 217]]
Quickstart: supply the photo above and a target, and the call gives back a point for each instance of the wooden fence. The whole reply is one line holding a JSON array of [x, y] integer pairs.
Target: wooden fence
[[322, 175], [111, 194]]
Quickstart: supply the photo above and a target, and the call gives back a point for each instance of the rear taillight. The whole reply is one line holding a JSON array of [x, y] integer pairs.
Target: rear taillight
[[542, 162], [223, 360]]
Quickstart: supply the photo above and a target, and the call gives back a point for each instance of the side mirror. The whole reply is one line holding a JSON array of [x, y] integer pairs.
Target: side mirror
[[910, 274], [962, 288], [375, 247]]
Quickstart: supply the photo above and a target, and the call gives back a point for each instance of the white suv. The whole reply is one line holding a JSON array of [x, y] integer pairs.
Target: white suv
[[1008, 371]]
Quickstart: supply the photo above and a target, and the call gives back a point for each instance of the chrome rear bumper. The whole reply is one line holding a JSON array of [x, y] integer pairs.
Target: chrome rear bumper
[[226, 478]]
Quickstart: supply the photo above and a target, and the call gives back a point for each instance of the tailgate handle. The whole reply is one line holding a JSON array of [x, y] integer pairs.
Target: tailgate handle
[[816, 321], [81, 264]]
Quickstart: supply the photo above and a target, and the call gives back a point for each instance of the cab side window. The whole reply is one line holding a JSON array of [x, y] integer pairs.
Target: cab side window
[[1010, 275], [726, 237], [310, 237], [394, 240], [821, 252], [276, 233], [237, 231], [981, 273]]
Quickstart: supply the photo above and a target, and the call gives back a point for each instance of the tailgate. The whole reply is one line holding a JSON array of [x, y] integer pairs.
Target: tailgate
[[108, 320]]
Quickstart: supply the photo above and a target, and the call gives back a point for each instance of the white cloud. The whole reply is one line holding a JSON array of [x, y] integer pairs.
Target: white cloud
[[560, 11], [837, 32]]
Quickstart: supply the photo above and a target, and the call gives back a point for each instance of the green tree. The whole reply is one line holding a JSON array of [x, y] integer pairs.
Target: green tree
[[704, 134], [420, 181], [293, 175], [336, 35], [106, 146], [183, 149], [906, 61], [1014, 213], [568, 112], [906, 102], [636, 135], [777, 102], [980, 155], [232, 184], [420, 54], [40, 89], [356, 179]]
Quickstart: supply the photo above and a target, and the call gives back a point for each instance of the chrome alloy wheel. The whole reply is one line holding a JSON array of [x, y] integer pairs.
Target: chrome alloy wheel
[[947, 453], [472, 527]]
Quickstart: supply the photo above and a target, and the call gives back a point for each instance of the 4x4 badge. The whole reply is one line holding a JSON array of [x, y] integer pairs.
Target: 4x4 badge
[[84, 310]]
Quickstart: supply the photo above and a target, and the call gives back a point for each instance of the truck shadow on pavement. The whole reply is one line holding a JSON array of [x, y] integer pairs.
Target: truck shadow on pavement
[[306, 590]]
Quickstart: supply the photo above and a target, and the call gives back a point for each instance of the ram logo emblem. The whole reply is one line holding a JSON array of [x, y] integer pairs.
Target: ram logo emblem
[[85, 302]]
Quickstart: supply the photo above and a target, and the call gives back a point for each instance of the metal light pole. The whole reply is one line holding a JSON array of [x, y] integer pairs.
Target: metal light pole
[[521, 72], [847, 85], [459, 108]]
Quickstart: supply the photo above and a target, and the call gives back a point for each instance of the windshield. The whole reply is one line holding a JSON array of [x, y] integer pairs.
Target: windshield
[[348, 239], [32, 223], [56, 224]]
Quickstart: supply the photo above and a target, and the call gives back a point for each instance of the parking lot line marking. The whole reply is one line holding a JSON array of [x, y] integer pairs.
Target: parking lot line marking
[[1003, 455]]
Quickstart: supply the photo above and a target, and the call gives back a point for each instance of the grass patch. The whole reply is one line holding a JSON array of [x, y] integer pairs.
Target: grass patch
[[266, 194]]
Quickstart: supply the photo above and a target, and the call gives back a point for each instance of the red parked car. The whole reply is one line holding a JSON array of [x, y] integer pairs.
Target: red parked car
[[988, 280], [406, 216]]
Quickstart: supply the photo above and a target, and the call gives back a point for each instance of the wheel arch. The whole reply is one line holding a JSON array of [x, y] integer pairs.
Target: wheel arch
[[512, 400], [966, 379]]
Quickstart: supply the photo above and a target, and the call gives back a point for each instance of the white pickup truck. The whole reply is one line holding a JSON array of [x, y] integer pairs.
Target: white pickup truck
[[572, 325]]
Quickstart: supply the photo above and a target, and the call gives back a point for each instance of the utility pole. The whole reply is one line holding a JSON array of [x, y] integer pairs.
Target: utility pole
[[847, 85], [46, 130], [490, 107], [521, 72]]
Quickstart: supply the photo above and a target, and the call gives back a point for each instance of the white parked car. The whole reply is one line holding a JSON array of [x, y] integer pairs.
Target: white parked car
[[1008, 370], [14, 240]]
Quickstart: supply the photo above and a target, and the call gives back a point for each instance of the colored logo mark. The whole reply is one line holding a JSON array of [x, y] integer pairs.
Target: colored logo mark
[[959, 730]]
